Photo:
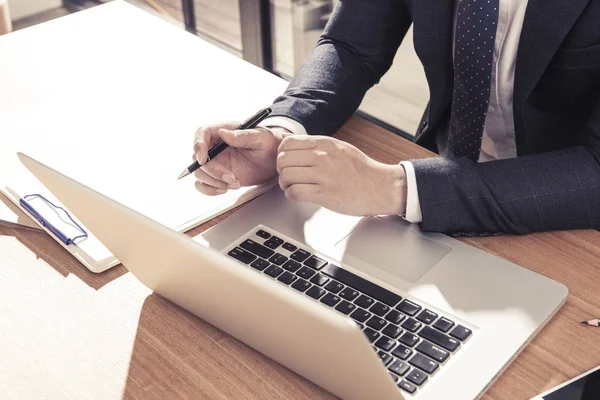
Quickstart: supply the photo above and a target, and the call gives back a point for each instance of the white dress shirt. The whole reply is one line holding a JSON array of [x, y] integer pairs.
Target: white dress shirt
[[498, 140]]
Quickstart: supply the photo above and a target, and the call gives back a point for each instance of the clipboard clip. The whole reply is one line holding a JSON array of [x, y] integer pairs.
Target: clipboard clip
[[45, 223]]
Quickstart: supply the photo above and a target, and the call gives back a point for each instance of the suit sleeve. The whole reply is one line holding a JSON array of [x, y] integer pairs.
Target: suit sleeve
[[355, 50], [548, 191]]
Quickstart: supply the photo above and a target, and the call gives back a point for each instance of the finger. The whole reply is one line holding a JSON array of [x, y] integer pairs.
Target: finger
[[295, 158], [212, 130], [205, 178], [297, 175], [209, 190], [201, 140], [247, 138], [207, 136], [297, 142], [303, 192], [217, 171]]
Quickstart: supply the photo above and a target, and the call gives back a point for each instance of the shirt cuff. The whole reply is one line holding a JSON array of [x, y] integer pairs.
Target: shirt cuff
[[413, 206], [291, 125]]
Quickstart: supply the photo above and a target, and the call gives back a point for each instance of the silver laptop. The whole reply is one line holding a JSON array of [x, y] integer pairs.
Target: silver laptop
[[366, 308]]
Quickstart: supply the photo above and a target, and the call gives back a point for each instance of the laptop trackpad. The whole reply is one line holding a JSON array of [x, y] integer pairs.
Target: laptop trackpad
[[390, 245]]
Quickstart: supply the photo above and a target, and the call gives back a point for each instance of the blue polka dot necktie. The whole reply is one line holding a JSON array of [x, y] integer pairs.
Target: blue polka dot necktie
[[475, 36]]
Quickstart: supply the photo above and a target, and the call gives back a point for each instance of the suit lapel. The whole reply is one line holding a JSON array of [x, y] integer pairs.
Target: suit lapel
[[547, 23]]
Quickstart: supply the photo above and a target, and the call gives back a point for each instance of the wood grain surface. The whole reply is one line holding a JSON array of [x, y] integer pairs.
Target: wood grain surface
[[68, 333]]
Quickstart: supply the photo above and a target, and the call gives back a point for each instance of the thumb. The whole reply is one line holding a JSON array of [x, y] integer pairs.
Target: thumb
[[244, 139]]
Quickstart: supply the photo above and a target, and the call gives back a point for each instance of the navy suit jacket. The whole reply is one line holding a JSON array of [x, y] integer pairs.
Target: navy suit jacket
[[554, 183]]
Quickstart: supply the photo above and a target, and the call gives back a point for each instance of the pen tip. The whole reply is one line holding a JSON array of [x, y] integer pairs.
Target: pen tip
[[183, 174], [584, 322]]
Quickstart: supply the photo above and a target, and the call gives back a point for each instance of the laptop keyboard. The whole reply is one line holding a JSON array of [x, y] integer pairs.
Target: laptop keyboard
[[413, 342]]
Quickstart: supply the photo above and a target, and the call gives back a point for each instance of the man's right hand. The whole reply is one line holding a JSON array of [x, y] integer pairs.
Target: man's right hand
[[249, 160]]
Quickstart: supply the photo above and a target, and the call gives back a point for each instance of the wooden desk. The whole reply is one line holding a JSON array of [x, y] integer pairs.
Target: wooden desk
[[68, 333]]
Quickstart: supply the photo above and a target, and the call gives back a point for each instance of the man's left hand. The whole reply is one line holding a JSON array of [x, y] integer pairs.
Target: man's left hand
[[340, 177]]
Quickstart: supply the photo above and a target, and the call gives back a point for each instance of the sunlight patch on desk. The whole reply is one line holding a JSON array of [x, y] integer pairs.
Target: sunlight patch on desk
[[83, 348]]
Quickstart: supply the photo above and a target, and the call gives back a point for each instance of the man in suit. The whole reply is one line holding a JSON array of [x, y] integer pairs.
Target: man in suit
[[514, 110]]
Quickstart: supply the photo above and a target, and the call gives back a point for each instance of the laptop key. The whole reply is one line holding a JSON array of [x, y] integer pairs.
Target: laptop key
[[429, 349], [385, 357], [364, 301], [408, 307], [330, 299], [417, 377], [349, 294], [407, 386], [395, 316], [334, 287], [305, 273], [291, 265], [424, 363], [376, 323], [443, 324], [270, 244], [300, 255], [275, 239], [316, 292], [461, 333], [398, 367], [409, 339], [362, 285], [278, 259], [360, 315], [260, 264], [427, 316], [379, 309], [315, 262], [345, 308], [256, 248], [301, 285], [411, 325], [242, 255], [402, 352], [263, 234], [289, 247], [394, 377], [319, 279], [287, 277], [273, 271], [385, 343], [371, 334], [437, 337], [392, 331]]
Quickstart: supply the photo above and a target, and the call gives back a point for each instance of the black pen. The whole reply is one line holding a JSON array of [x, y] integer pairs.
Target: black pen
[[214, 151]]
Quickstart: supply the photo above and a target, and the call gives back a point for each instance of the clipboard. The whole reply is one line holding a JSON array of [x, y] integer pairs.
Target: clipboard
[[90, 251]]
